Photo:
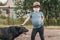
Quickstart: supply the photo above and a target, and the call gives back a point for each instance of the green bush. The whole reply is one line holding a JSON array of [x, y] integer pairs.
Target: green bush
[[58, 22], [3, 17], [45, 21], [19, 21], [50, 22], [54, 21], [3, 21]]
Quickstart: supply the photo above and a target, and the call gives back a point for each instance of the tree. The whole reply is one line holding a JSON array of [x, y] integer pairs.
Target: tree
[[28, 3], [51, 8], [19, 7], [0, 11]]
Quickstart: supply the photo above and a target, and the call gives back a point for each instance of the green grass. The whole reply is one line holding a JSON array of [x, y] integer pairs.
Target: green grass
[[30, 26]]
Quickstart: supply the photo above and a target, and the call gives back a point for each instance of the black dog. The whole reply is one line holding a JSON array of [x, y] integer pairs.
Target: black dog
[[9, 33]]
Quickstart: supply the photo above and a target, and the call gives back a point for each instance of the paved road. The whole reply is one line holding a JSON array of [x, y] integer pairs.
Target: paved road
[[49, 34]]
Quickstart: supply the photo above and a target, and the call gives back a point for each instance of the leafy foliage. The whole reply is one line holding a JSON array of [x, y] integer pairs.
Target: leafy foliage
[[50, 8]]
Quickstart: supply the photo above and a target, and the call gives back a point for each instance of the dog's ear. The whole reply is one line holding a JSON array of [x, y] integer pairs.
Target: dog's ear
[[17, 28]]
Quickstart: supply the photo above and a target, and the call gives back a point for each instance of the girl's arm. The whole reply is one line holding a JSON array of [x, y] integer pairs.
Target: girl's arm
[[42, 18], [26, 20]]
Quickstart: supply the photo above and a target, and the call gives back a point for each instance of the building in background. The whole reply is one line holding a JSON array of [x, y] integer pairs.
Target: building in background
[[9, 3]]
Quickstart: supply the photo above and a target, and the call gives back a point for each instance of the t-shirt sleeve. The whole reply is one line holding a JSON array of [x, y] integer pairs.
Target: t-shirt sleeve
[[30, 14]]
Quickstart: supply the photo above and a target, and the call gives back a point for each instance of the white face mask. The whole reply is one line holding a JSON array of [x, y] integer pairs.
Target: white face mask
[[36, 9]]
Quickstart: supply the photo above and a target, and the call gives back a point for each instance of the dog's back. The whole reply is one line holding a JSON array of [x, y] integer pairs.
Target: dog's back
[[9, 33], [3, 32]]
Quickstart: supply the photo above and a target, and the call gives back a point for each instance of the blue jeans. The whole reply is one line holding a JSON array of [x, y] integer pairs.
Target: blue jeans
[[41, 33]]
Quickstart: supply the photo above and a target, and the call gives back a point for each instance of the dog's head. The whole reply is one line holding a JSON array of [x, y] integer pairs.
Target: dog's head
[[18, 29], [21, 29]]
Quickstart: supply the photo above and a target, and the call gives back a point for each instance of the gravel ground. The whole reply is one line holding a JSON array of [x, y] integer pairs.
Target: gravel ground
[[49, 34]]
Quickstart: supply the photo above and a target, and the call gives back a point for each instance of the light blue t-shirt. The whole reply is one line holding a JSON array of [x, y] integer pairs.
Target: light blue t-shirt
[[36, 19]]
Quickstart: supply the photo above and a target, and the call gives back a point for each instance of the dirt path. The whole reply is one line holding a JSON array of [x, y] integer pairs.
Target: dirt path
[[48, 34]]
